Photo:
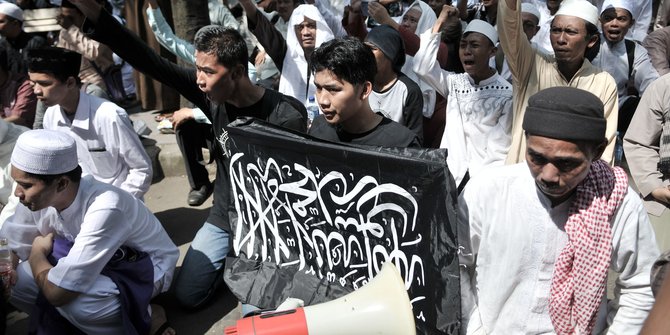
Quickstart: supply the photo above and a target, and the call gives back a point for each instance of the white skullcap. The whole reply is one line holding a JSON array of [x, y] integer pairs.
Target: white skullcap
[[11, 10], [45, 152], [484, 28], [530, 9], [625, 4], [579, 8]]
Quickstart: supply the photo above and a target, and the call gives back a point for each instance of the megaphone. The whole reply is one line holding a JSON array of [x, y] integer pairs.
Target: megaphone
[[380, 307]]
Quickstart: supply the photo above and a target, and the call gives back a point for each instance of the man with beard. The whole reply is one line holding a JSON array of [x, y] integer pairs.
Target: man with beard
[[538, 238]]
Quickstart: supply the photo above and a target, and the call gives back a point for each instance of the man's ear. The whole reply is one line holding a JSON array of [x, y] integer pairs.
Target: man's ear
[[63, 183], [71, 82], [593, 40], [366, 90], [598, 151]]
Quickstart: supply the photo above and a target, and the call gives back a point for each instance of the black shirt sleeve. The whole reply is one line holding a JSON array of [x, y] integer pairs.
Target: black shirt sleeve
[[144, 59]]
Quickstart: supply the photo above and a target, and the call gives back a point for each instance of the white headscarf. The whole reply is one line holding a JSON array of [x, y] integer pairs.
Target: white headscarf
[[293, 81], [426, 21]]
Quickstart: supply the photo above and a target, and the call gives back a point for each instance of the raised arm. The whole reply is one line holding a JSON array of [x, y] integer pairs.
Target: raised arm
[[268, 36], [516, 47], [102, 27]]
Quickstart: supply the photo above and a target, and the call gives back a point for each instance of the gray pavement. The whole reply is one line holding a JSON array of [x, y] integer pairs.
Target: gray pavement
[[167, 200]]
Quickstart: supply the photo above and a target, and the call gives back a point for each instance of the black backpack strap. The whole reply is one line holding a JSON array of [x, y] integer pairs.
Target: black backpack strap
[[630, 52]]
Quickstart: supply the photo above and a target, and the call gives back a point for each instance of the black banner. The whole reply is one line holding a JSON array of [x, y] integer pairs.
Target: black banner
[[316, 220]]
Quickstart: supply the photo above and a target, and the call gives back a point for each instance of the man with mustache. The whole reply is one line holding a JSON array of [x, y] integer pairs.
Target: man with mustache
[[538, 238], [574, 32]]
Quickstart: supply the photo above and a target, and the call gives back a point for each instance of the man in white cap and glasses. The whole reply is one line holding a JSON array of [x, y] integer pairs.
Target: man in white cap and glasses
[[574, 32], [11, 28], [626, 60], [479, 101], [537, 239], [92, 256]]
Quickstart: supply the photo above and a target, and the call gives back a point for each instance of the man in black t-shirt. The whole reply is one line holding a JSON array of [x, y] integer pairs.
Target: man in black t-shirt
[[221, 74], [344, 69]]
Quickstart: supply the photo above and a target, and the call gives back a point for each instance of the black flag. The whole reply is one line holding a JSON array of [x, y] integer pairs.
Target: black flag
[[316, 220]]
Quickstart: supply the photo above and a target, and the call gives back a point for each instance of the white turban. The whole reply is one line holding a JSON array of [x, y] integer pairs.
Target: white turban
[[579, 8]]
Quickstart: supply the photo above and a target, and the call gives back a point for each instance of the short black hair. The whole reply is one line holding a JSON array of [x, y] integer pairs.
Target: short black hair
[[74, 175], [4, 58], [347, 58], [226, 43], [58, 62]]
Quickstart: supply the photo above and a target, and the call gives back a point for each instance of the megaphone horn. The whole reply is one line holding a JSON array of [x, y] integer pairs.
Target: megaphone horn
[[380, 307]]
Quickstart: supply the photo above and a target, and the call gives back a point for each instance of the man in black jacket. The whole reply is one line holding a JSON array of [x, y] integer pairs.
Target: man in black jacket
[[221, 74]]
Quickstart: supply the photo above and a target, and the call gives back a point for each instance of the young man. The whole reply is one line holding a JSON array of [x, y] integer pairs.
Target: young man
[[394, 95], [344, 69], [221, 74], [479, 101], [626, 60], [538, 238], [573, 33], [91, 253], [108, 147]]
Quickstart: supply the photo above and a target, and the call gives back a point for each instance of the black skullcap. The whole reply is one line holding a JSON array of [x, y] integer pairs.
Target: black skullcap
[[389, 41], [565, 113], [68, 4], [61, 62]]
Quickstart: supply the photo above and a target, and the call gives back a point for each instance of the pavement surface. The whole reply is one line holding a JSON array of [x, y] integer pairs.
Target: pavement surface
[[167, 200]]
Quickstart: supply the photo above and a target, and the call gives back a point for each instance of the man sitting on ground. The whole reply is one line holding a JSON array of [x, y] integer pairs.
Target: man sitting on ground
[[91, 253]]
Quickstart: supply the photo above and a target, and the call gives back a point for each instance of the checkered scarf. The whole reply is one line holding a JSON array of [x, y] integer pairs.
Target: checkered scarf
[[664, 162], [580, 274]]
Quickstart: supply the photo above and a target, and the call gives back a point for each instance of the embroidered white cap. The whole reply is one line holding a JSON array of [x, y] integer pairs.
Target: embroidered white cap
[[579, 8], [482, 27], [11, 10], [45, 152], [625, 4], [531, 9]]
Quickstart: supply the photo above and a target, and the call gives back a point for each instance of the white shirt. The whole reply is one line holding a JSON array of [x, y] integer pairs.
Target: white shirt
[[479, 116], [9, 133], [515, 236], [107, 146], [614, 59], [541, 39], [100, 220]]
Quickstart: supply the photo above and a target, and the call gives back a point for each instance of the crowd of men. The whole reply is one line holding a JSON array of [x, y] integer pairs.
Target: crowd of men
[[554, 115]]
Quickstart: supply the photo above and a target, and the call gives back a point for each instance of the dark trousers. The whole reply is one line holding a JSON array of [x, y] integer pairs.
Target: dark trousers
[[192, 137]]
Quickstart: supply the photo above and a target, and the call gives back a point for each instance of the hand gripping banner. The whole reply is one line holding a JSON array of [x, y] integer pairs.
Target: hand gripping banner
[[316, 220]]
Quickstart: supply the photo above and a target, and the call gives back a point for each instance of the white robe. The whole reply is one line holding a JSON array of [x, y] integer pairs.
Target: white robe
[[509, 238], [479, 116]]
